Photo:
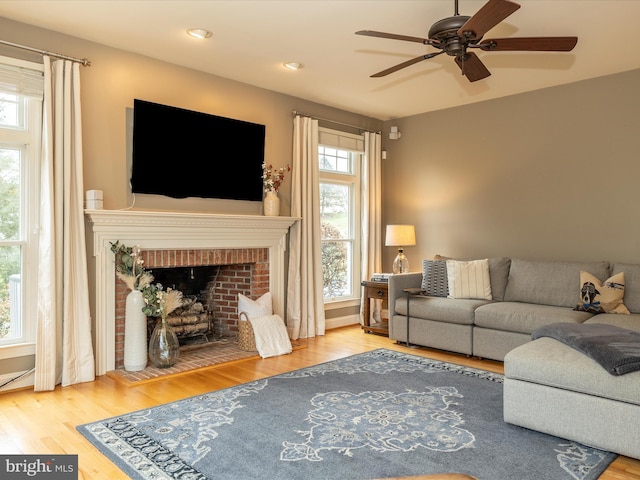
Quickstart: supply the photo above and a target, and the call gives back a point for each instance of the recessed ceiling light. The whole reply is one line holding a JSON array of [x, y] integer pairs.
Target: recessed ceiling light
[[200, 33], [293, 65]]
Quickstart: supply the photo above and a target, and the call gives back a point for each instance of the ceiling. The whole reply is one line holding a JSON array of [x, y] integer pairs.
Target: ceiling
[[252, 39]]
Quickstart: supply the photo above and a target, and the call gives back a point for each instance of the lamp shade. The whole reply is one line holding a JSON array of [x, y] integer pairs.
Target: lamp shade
[[400, 236]]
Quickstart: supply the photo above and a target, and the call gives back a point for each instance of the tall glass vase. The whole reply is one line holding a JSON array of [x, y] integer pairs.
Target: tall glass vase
[[271, 204], [164, 347], [135, 333]]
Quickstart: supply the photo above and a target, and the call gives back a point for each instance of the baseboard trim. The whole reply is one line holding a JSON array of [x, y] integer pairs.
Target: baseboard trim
[[342, 321], [20, 383]]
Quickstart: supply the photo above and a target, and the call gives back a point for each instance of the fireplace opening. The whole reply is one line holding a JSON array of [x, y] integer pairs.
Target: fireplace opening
[[194, 323]]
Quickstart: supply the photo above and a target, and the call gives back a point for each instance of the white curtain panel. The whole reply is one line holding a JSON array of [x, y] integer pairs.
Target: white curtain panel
[[305, 303], [371, 212], [64, 352]]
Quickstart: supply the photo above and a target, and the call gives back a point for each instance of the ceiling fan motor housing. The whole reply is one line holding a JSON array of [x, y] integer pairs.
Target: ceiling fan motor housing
[[445, 31]]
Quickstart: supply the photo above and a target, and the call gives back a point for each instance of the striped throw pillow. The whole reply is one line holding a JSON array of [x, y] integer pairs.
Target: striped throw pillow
[[434, 278], [469, 279]]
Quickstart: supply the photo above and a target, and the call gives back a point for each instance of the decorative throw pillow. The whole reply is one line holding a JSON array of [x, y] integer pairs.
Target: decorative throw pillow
[[434, 278], [605, 297], [255, 308], [469, 279]]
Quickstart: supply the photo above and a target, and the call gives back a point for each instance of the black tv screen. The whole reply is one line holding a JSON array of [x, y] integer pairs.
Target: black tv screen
[[182, 153]]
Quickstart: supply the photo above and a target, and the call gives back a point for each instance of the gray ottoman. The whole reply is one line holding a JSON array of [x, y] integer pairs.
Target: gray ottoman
[[553, 388]]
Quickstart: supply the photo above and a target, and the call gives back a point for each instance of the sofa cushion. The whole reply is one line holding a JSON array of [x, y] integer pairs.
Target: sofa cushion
[[630, 322], [434, 278], [549, 362], [602, 297], [450, 310], [631, 284], [524, 317], [469, 279], [498, 274], [548, 283]]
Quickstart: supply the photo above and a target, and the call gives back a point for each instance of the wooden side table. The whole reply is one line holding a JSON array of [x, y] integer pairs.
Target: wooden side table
[[375, 291]]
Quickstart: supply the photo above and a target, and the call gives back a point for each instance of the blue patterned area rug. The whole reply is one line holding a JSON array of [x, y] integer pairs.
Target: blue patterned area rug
[[373, 415]]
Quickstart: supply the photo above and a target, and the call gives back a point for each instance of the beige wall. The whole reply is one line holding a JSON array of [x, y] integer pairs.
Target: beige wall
[[116, 77], [551, 174]]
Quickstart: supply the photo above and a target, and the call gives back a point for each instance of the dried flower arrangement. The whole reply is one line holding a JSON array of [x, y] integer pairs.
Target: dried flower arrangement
[[129, 266], [130, 269], [160, 302], [272, 179]]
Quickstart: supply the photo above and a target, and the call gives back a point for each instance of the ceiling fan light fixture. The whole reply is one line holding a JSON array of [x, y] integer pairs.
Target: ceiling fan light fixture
[[200, 33], [293, 65]]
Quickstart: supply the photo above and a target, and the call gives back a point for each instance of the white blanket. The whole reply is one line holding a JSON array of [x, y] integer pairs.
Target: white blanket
[[271, 335]]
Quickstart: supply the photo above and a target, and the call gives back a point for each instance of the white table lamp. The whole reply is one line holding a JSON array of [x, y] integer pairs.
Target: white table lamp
[[400, 236]]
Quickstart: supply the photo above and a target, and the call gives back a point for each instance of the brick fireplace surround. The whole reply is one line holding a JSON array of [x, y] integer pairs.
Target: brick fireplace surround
[[242, 270], [255, 245]]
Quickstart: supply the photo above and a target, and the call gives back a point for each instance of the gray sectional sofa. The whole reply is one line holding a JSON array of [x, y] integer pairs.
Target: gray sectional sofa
[[526, 294], [548, 386]]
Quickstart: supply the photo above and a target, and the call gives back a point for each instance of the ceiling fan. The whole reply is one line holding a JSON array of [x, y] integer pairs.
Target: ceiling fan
[[456, 35]]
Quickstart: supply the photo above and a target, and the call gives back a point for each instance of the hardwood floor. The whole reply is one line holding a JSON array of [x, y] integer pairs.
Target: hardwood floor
[[36, 423]]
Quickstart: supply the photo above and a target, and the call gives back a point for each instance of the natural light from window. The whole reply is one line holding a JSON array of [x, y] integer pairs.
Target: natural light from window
[[19, 150], [339, 222]]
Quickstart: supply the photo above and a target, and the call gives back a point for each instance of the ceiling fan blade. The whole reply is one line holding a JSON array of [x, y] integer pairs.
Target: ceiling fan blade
[[393, 36], [491, 14], [534, 44], [472, 67], [402, 65]]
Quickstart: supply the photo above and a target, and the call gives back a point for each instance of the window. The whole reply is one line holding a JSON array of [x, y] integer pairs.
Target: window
[[339, 158], [20, 125]]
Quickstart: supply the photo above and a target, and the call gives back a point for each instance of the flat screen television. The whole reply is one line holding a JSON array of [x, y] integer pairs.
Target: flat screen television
[[182, 153]]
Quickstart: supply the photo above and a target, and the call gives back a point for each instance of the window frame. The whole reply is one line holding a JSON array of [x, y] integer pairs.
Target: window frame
[[27, 139], [354, 181]]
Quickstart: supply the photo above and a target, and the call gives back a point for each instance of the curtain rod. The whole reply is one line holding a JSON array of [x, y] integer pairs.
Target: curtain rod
[[296, 112], [83, 61]]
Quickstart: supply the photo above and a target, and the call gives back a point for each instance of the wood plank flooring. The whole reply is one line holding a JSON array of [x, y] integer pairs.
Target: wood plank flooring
[[36, 423]]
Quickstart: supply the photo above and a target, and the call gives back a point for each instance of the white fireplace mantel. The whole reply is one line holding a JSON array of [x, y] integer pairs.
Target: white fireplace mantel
[[172, 230]]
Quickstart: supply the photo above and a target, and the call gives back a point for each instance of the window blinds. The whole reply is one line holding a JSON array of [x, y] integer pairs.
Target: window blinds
[[342, 140], [18, 77]]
